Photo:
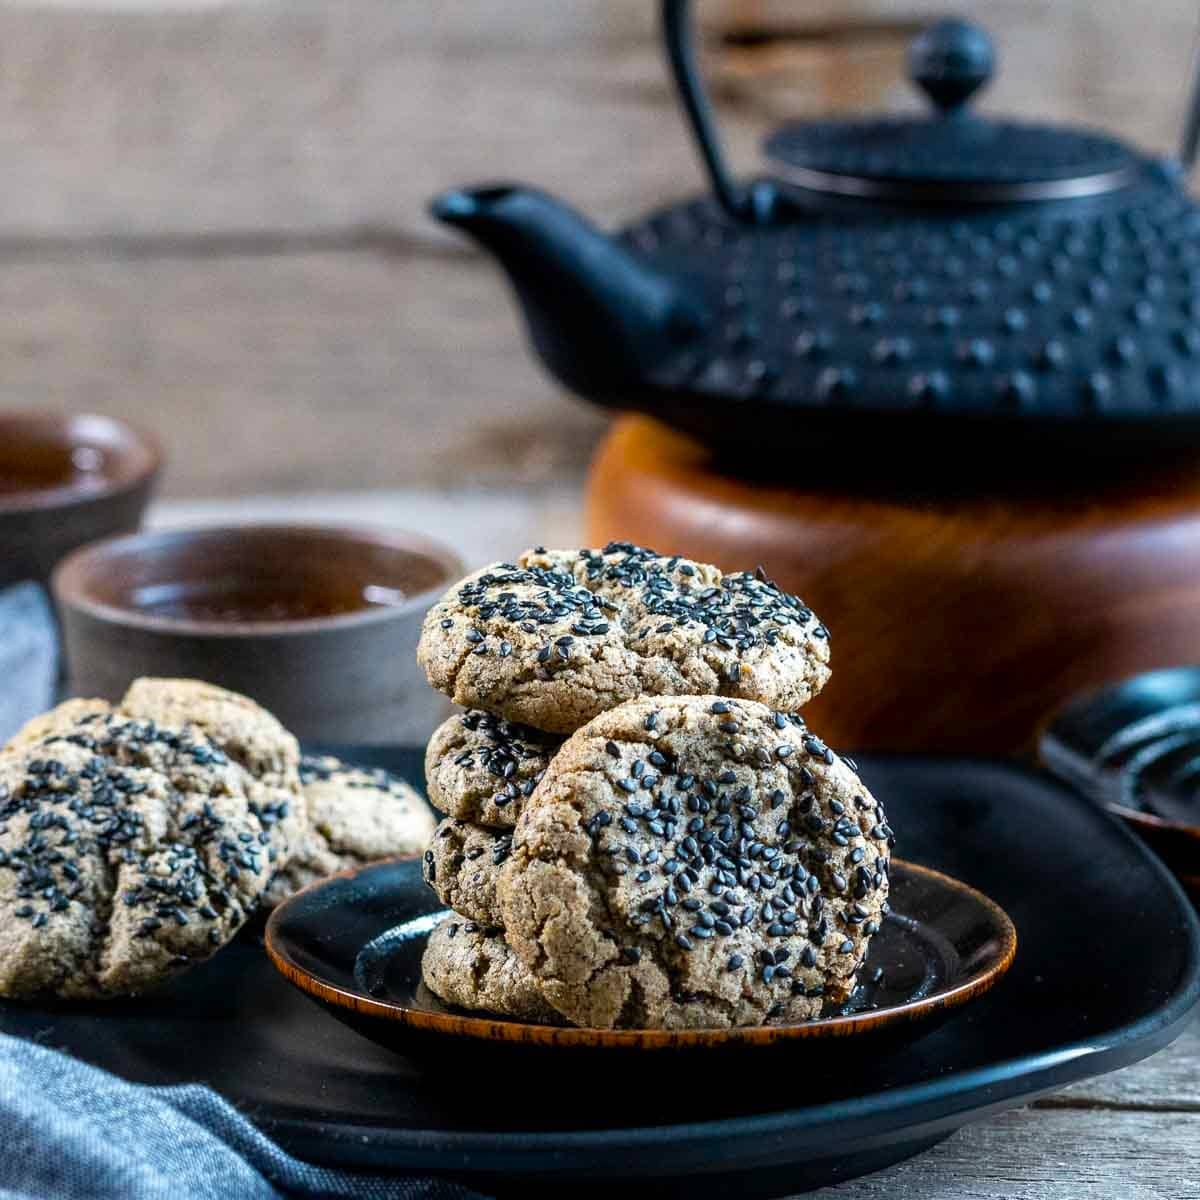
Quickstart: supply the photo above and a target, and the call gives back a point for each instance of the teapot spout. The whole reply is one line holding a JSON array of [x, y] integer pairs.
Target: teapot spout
[[599, 316]]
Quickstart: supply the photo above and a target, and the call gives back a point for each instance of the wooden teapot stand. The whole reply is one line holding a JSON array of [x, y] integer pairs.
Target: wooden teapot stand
[[960, 619]]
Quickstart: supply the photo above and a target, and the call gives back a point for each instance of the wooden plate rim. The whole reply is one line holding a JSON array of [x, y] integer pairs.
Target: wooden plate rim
[[497, 1030]]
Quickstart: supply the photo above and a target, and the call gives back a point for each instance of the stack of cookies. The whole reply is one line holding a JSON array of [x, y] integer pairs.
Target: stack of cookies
[[641, 830], [137, 838]]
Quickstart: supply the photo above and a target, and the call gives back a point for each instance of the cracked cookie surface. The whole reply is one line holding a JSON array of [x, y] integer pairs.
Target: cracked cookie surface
[[481, 768], [563, 635], [355, 816], [471, 967], [246, 732], [129, 849], [462, 865], [693, 862], [61, 719]]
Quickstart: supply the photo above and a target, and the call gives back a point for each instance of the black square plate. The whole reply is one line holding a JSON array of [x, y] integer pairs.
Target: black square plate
[[1107, 971]]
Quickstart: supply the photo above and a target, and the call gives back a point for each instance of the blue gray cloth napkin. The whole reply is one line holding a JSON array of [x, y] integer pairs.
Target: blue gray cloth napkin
[[28, 656], [69, 1131]]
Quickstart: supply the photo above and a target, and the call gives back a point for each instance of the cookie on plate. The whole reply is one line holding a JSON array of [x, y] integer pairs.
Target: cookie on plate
[[462, 866], [471, 967], [481, 768], [563, 635], [355, 816], [695, 861], [129, 849]]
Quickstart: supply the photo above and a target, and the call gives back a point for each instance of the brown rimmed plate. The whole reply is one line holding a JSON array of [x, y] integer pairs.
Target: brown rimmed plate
[[354, 943]]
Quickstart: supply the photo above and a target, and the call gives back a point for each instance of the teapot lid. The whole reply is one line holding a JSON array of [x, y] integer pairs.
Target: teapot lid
[[954, 152]]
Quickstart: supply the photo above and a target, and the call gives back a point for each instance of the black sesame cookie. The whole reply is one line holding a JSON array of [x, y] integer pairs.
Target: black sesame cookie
[[241, 729], [355, 816], [560, 636], [61, 719], [129, 849], [462, 865], [695, 861], [482, 768], [469, 966], [247, 733]]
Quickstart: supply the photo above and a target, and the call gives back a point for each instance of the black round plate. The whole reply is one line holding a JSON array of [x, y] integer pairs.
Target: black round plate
[[1097, 733], [1134, 746], [354, 943], [1108, 971]]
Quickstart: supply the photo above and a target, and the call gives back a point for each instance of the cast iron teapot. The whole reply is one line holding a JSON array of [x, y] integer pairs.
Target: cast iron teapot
[[942, 285]]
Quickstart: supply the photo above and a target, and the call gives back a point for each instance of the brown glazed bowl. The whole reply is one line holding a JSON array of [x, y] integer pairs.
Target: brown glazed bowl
[[984, 606], [66, 480], [319, 624]]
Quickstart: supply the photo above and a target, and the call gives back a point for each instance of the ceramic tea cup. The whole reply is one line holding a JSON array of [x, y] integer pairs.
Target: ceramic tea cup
[[66, 480], [319, 624]]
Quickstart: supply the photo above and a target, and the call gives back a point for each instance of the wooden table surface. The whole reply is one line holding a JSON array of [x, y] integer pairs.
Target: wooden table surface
[[1132, 1135]]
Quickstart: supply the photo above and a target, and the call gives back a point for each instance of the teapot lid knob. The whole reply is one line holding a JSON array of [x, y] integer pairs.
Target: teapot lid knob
[[950, 61]]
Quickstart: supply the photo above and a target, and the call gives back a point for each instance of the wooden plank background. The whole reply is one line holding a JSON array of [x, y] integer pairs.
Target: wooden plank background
[[213, 215]]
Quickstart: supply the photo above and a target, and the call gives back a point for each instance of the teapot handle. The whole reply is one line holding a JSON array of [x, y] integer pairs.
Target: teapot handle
[[755, 205]]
